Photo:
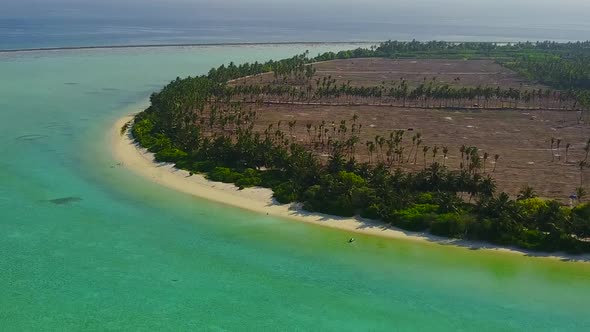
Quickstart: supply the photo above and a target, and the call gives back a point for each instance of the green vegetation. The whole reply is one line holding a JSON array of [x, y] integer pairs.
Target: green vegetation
[[202, 125], [125, 127]]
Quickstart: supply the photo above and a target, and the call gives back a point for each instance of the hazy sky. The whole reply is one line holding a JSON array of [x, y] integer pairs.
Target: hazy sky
[[562, 11]]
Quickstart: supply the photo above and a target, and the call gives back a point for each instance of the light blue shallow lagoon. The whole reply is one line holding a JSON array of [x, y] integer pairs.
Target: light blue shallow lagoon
[[86, 245]]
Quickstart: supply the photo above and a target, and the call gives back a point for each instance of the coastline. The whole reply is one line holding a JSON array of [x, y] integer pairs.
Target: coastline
[[138, 160]]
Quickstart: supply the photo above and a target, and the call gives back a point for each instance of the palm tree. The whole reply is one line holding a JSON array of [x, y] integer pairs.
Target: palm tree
[[567, 149], [496, 157], [380, 141], [485, 159], [580, 193], [526, 192], [434, 153], [412, 148], [308, 127], [371, 149], [474, 162], [486, 187], [291, 125], [425, 151], [462, 149], [445, 153], [581, 165], [418, 143], [552, 142]]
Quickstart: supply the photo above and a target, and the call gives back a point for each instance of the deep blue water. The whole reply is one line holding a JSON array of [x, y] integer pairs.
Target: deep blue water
[[16, 33]]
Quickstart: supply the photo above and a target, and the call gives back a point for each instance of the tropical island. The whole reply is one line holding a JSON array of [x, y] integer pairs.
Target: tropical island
[[477, 141]]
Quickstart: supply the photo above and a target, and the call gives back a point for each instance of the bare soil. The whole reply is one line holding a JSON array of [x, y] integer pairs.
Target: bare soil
[[375, 71], [521, 138]]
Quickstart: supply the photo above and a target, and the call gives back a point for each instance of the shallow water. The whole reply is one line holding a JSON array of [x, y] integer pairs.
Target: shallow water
[[87, 245]]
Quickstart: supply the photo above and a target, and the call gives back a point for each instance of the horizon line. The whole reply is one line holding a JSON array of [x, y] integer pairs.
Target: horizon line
[[106, 47]]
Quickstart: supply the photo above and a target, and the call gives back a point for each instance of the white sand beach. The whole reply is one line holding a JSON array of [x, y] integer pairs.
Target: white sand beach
[[142, 162]]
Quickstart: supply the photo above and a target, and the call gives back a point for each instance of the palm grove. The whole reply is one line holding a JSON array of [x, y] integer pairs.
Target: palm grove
[[206, 125]]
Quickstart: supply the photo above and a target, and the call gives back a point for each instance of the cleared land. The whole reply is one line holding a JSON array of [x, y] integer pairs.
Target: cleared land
[[522, 138], [375, 71]]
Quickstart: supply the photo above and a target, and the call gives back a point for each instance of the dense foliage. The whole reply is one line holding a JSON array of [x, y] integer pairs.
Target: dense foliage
[[198, 124]]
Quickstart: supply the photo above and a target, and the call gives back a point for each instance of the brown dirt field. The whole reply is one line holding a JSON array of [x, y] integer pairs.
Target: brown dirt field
[[521, 138], [374, 71]]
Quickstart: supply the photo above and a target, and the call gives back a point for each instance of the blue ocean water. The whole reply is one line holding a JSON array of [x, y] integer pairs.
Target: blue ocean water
[[18, 33]]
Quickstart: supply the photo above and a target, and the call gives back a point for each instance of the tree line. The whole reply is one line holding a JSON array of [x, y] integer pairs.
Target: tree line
[[563, 66], [428, 94]]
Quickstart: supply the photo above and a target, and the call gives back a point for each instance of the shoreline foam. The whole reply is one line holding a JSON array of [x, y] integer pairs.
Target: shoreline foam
[[141, 162]]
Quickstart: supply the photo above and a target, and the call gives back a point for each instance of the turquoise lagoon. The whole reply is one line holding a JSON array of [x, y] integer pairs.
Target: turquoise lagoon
[[88, 245]]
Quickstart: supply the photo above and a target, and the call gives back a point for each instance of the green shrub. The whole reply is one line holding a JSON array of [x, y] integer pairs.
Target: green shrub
[[448, 202], [142, 132], [414, 223], [373, 211], [481, 229], [311, 198], [312, 193], [202, 166], [285, 193], [416, 218], [531, 239], [250, 173], [170, 155], [245, 182], [532, 206], [362, 197], [581, 220], [160, 143], [183, 164], [417, 209], [582, 211], [572, 245], [425, 198], [338, 207], [224, 174], [271, 178], [451, 225]]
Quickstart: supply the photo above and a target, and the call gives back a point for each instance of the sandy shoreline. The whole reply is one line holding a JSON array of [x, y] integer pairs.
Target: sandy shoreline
[[260, 200]]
